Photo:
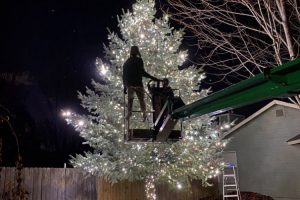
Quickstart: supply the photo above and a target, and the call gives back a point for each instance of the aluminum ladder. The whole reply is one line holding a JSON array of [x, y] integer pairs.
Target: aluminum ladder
[[230, 183]]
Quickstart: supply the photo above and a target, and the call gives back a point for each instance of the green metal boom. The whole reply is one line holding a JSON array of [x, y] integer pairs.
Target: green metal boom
[[278, 81]]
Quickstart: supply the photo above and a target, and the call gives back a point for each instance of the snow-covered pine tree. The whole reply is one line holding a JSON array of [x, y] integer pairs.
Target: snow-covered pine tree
[[194, 157]]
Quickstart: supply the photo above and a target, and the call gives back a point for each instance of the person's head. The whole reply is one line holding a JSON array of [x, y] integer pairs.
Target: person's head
[[134, 51], [165, 82]]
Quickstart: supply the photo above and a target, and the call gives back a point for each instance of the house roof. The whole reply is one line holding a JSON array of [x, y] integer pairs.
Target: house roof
[[294, 140], [259, 112]]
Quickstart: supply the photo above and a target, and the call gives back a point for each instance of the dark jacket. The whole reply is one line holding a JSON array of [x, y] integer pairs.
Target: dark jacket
[[134, 71]]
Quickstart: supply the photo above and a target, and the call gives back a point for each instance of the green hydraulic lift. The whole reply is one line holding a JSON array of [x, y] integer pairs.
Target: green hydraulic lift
[[278, 81]]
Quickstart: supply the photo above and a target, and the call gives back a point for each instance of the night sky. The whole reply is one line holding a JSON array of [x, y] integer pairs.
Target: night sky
[[57, 41]]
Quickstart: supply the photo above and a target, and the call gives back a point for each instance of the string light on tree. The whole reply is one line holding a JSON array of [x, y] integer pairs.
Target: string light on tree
[[150, 188], [80, 123], [179, 186], [103, 70]]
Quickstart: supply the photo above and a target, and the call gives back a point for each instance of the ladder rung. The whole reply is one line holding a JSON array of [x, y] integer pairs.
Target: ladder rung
[[231, 195], [229, 175], [139, 120], [142, 111], [230, 185]]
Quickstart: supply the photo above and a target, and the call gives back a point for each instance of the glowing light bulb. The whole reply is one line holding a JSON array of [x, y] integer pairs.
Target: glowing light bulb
[[103, 70], [166, 17], [66, 113], [179, 186], [80, 123]]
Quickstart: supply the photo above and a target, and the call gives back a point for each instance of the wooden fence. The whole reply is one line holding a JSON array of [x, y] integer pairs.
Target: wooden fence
[[71, 184]]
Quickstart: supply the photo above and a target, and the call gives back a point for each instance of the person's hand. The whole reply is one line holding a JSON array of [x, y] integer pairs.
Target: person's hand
[[125, 90]]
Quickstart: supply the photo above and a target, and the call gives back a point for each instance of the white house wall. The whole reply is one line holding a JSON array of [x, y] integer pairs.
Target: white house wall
[[266, 163]]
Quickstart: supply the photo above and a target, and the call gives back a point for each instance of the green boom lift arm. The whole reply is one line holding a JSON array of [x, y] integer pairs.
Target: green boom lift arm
[[278, 81]]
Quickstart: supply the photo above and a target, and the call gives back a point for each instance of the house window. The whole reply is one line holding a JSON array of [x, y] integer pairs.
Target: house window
[[279, 113]]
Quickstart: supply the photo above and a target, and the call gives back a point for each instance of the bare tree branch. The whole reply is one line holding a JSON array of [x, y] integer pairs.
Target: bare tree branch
[[238, 38], [251, 33]]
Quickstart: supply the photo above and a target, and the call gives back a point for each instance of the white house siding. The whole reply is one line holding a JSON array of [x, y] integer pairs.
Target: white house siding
[[266, 163]]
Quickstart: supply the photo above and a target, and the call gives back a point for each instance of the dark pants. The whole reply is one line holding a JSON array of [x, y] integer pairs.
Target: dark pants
[[140, 93]]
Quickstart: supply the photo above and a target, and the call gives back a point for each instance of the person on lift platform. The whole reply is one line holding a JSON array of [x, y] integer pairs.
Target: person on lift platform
[[160, 95], [133, 73]]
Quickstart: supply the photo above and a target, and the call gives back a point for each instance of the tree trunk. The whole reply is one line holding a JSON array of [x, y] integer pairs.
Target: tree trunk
[[282, 10]]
